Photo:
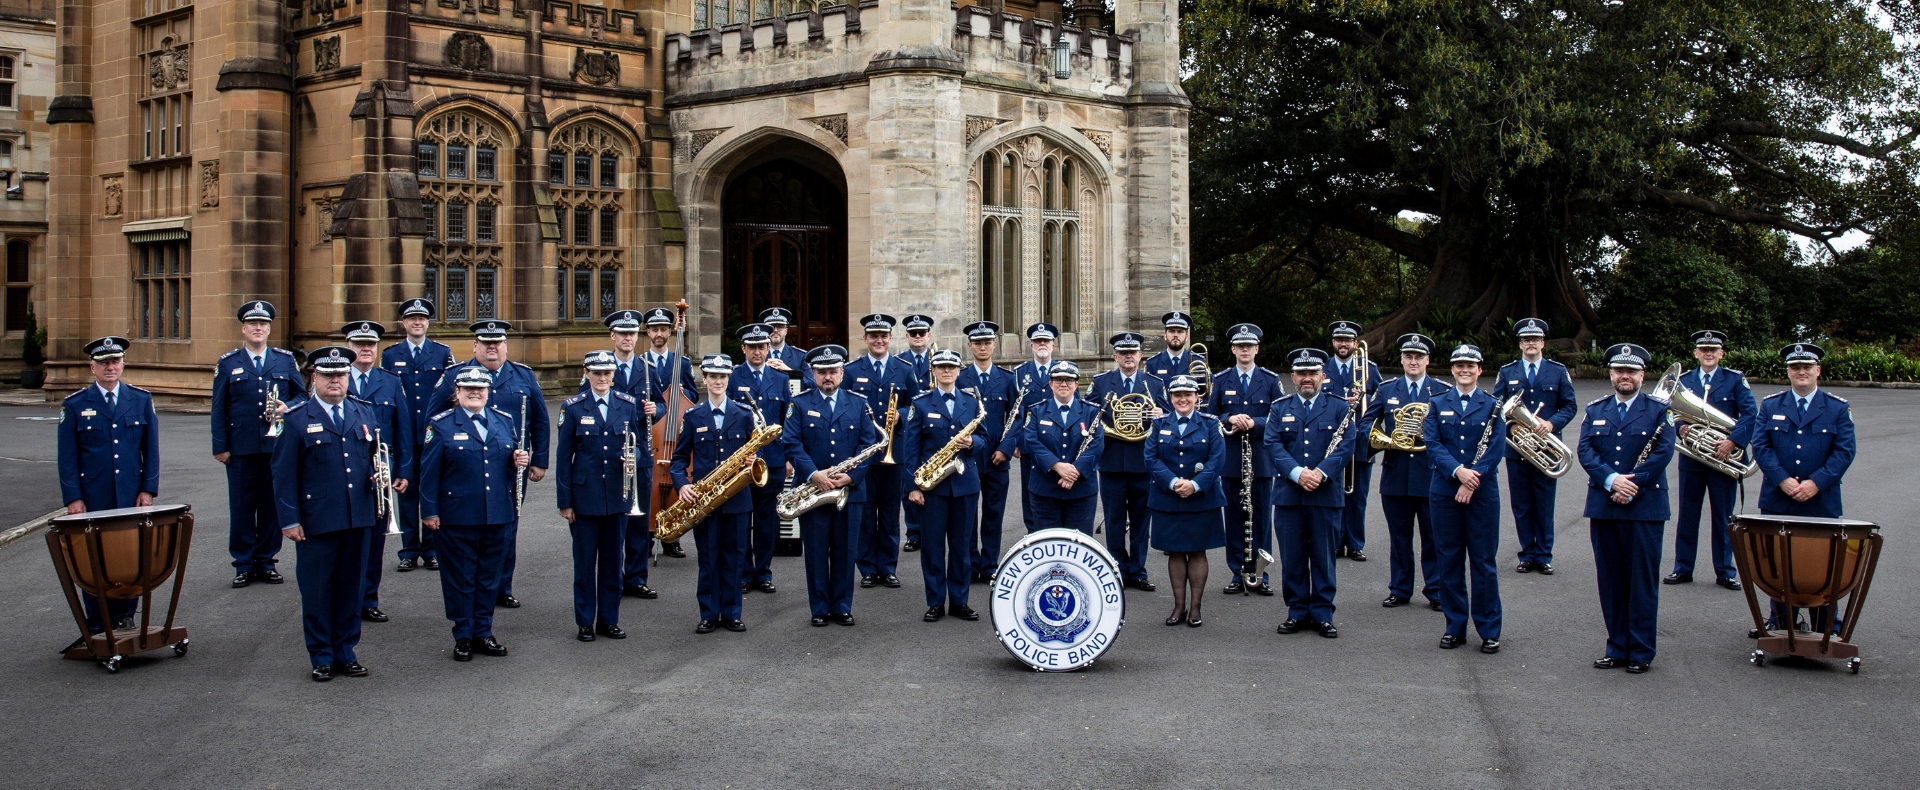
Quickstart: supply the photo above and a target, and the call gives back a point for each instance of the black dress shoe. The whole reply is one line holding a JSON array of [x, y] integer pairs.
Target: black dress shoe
[[911, 545], [610, 631], [1193, 618], [407, 564], [1263, 588], [1728, 582], [507, 601], [705, 627], [1489, 645], [463, 650], [1543, 568], [269, 576], [356, 670], [1525, 567], [1357, 555], [1179, 616], [1678, 578], [963, 612], [1234, 587], [673, 550], [1434, 604], [1327, 630], [242, 579], [322, 673], [818, 621], [1393, 600], [735, 626], [869, 580], [844, 618], [747, 587], [123, 624], [934, 613], [1607, 662], [639, 591], [586, 633], [1340, 553], [1637, 667], [890, 580], [983, 578], [489, 647], [766, 586], [1449, 641], [372, 614], [431, 563], [1289, 626]]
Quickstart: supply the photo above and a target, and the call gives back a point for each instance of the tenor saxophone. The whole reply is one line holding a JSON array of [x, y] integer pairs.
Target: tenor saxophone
[[732, 475], [943, 464]]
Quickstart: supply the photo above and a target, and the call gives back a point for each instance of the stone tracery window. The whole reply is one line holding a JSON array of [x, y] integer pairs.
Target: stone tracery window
[[1033, 258], [594, 212], [459, 154], [720, 13]]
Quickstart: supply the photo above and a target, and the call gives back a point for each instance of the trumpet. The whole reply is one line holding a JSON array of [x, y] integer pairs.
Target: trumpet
[[1406, 436], [275, 422], [630, 473], [386, 501], [1545, 451], [893, 418]]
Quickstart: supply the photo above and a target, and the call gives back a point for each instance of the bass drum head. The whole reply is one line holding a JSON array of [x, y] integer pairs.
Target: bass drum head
[[1057, 600]]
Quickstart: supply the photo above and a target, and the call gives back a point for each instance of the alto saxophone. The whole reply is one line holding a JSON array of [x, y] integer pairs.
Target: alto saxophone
[[943, 464], [806, 496], [742, 467]]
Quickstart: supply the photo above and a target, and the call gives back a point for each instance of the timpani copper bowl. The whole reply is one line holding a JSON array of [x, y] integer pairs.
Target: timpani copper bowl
[[122, 554], [1806, 562]]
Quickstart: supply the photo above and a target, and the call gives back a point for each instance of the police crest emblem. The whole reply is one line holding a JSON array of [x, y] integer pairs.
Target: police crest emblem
[[1057, 601]]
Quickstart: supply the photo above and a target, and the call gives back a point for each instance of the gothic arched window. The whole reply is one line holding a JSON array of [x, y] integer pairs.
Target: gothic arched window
[[1030, 193], [585, 162], [459, 157]]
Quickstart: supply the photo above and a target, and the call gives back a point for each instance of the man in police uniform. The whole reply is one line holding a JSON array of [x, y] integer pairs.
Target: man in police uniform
[[1804, 443], [108, 453], [1175, 359], [393, 422], [242, 380], [594, 494], [950, 506], [623, 329], [658, 376], [755, 383], [1031, 382], [322, 481], [1465, 440], [1123, 470], [1405, 478], [881, 378], [1546, 390], [1728, 391], [826, 426], [419, 362], [919, 330], [1626, 442], [516, 392], [783, 356], [471, 443], [1242, 396], [1063, 437], [630, 376], [1308, 438], [995, 389], [1346, 374], [716, 428]]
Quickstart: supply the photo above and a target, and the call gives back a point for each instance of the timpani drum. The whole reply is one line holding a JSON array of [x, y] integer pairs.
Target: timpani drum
[[1806, 562], [122, 554], [1057, 602]]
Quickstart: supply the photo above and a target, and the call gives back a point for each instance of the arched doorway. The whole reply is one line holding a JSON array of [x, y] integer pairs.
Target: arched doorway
[[785, 244]]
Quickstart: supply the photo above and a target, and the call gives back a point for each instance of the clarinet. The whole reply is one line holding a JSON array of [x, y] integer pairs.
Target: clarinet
[[520, 472], [1486, 437]]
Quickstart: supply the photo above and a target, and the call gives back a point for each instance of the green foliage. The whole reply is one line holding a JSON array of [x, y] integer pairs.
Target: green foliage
[[33, 350], [1665, 290]]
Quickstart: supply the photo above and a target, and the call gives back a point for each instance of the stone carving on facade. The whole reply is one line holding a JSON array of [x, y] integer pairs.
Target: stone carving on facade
[[326, 53], [210, 183], [1100, 140], [699, 141], [323, 207], [835, 125], [596, 68], [323, 9], [978, 125], [170, 67], [1031, 149], [468, 51], [112, 195], [1042, 112]]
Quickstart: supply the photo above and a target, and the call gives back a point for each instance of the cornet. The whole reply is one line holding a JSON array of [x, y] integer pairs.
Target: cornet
[[630, 474]]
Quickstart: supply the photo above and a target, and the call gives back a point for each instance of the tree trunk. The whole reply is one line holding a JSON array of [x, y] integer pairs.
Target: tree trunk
[[1457, 278]]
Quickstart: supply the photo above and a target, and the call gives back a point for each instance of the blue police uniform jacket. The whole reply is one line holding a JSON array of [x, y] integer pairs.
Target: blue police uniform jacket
[[1227, 397], [922, 368], [1452, 434], [703, 447], [930, 425], [1549, 397], [1610, 445], [322, 472], [1818, 446], [818, 438], [511, 383], [1166, 365], [863, 378], [795, 358], [1301, 435], [996, 392], [1197, 455], [240, 399], [771, 396], [1125, 456], [1048, 439], [655, 376], [108, 457], [386, 393], [1402, 474], [1340, 382], [1030, 388], [632, 381], [588, 473], [1733, 396], [464, 480], [419, 374]]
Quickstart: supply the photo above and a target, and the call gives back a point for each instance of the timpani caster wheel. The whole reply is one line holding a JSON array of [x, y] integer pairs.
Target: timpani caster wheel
[[111, 665], [180, 647], [1759, 658], [1853, 665]]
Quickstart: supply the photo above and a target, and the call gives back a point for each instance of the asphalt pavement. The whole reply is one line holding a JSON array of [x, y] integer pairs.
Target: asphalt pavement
[[894, 702]]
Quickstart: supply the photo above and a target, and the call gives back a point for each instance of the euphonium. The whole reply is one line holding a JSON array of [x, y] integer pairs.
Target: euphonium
[[385, 500], [1407, 421], [1130, 416], [743, 467], [1710, 427], [942, 465], [1545, 451], [1197, 368]]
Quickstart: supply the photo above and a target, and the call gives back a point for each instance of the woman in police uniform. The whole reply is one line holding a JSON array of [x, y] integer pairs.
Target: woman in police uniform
[[1184, 453]]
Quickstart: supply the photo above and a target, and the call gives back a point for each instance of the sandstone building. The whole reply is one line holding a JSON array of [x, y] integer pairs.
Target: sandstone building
[[26, 85]]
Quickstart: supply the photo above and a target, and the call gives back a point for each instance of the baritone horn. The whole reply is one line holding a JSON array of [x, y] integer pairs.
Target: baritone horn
[[1545, 451], [1708, 427]]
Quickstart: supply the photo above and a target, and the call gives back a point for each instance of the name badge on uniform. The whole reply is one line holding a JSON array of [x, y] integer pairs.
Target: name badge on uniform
[[862, 379], [1164, 432], [586, 420], [1231, 392], [745, 389], [1781, 417], [1288, 418], [1599, 422], [399, 363], [1393, 401], [1446, 414], [316, 428], [701, 429], [1048, 423], [932, 415], [1513, 382], [459, 437], [812, 413], [90, 413], [237, 371]]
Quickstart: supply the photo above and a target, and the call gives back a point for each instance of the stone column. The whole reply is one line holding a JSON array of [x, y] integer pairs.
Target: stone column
[[378, 229], [1156, 170], [75, 199], [250, 181]]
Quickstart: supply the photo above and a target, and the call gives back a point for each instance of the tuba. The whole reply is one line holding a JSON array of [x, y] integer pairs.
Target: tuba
[[1130, 415], [1545, 451], [729, 478], [1197, 368], [1710, 427], [1406, 429]]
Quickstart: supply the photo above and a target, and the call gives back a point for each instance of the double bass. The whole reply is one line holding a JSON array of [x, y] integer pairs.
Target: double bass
[[666, 431]]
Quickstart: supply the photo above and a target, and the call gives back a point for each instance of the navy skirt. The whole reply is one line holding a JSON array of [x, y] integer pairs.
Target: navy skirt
[[1187, 530]]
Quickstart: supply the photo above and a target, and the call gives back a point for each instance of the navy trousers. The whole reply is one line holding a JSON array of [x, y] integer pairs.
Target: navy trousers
[[596, 568], [1353, 517], [1051, 513], [766, 526], [910, 514], [828, 541], [470, 562], [1123, 495], [721, 542], [508, 556], [1237, 522], [946, 558], [1626, 562], [415, 543], [638, 537], [1308, 537], [1026, 496], [1719, 490], [376, 553], [330, 575], [253, 528], [1532, 493], [993, 511], [1467, 538], [1402, 512], [880, 527]]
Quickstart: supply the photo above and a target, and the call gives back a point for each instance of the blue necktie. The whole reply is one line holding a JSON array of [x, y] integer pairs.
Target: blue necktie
[[1621, 409], [110, 404], [1803, 407], [1183, 426], [1531, 371], [337, 423], [479, 425]]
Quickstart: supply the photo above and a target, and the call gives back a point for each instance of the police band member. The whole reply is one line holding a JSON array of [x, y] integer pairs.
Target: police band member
[[1063, 437], [516, 392], [1404, 477], [662, 361], [755, 383], [877, 376], [322, 485], [1546, 390], [1032, 380], [242, 381], [950, 508], [1727, 390], [1308, 437], [393, 420], [994, 387], [108, 454], [630, 376], [466, 496], [1346, 374], [715, 429], [1626, 442], [419, 362], [783, 356], [1123, 471], [1465, 441], [1185, 453], [827, 426], [1242, 396], [1804, 443], [593, 493], [919, 329], [1175, 359], [623, 330]]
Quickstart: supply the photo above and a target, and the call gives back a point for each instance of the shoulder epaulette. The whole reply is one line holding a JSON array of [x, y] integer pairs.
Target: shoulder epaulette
[[296, 403], [501, 412], [359, 400], [377, 370], [79, 392], [1554, 362], [624, 396], [1263, 369], [231, 353], [843, 391], [1776, 395], [1596, 401], [575, 399], [282, 351], [1835, 397], [1740, 373], [438, 417], [519, 365]]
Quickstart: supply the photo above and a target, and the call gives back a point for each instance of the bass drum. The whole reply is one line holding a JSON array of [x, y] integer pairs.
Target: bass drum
[[1057, 600]]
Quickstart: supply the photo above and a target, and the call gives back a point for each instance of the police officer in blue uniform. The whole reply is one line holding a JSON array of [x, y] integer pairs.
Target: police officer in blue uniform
[[466, 495], [1465, 440], [1123, 470], [419, 362], [594, 494], [242, 380], [716, 428], [1309, 437], [322, 475], [1031, 380], [1185, 452], [1546, 390], [1176, 359], [659, 374], [882, 379], [951, 506], [1063, 437], [386, 393], [629, 373], [1242, 396], [1343, 370], [516, 392], [108, 453], [994, 387], [827, 426], [1626, 442], [1727, 390], [783, 356], [1804, 443], [1404, 477], [919, 329], [631, 376], [757, 384]]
